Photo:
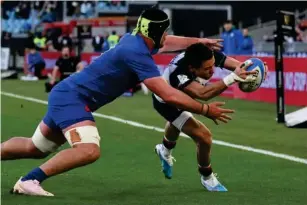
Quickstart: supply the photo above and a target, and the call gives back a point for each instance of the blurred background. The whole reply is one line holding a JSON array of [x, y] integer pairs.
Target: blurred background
[[34, 33], [54, 24]]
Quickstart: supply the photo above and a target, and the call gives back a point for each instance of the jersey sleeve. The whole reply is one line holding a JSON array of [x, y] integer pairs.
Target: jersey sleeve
[[142, 64], [180, 78], [219, 59]]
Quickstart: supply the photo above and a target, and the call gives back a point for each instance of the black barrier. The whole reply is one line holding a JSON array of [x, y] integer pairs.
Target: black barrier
[[17, 48], [83, 32], [285, 27]]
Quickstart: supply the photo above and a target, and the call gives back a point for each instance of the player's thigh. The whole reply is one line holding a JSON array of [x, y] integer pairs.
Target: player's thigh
[[196, 130], [66, 108], [73, 118], [85, 137], [53, 134], [84, 132], [46, 138], [79, 128], [175, 116]]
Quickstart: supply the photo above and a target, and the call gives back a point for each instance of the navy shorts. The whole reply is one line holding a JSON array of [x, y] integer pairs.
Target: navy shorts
[[169, 112], [66, 107], [172, 114]]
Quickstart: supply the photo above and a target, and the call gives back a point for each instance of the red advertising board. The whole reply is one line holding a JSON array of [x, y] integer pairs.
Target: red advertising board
[[295, 83], [295, 79], [295, 75]]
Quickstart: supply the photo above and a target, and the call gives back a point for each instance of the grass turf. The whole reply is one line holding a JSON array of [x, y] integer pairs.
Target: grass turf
[[129, 172]]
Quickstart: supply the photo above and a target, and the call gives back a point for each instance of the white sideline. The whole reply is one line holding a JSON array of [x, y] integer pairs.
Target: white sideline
[[137, 124]]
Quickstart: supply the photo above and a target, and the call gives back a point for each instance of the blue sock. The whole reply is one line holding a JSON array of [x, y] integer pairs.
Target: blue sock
[[37, 174]]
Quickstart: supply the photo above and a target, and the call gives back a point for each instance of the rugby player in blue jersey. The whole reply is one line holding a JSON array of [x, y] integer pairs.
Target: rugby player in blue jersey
[[71, 102]]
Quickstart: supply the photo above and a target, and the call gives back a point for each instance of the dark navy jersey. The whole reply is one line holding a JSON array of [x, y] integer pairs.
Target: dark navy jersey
[[115, 71]]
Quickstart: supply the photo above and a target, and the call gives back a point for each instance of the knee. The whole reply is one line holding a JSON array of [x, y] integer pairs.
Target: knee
[[90, 152], [93, 154], [86, 139], [204, 136], [34, 151]]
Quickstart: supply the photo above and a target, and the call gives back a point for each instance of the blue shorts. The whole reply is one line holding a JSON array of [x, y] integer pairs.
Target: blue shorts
[[66, 107]]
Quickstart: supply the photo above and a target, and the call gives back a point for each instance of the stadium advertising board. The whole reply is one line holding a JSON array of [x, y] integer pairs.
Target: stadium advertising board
[[295, 81], [295, 76]]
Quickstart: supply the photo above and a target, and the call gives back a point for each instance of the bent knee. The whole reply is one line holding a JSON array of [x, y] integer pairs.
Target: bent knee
[[87, 140], [93, 154], [90, 151], [41, 143], [32, 150], [203, 135]]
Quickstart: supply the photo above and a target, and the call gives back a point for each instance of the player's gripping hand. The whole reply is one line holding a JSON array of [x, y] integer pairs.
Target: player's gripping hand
[[214, 44], [240, 75], [245, 76], [216, 113]]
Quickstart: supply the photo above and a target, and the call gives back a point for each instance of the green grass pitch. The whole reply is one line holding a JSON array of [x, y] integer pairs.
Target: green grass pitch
[[129, 172]]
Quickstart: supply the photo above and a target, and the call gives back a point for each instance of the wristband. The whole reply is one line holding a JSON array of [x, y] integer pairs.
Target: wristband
[[229, 80]]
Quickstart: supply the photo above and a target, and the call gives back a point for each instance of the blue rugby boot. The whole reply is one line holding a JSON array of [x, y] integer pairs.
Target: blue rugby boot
[[212, 184], [166, 159]]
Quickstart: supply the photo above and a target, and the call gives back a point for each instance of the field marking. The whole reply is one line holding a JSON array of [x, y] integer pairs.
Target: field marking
[[137, 124]]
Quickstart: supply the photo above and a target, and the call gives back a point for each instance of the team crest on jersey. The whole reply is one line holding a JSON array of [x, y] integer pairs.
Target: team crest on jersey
[[182, 79]]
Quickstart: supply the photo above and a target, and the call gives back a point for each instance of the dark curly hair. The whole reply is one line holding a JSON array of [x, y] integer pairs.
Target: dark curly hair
[[196, 54]]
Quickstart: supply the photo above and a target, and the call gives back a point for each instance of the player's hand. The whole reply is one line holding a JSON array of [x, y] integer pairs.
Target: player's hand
[[52, 82], [242, 75], [216, 113], [266, 70], [214, 44]]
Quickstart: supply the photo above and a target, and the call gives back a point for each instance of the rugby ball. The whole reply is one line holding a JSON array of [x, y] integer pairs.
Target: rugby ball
[[259, 67]]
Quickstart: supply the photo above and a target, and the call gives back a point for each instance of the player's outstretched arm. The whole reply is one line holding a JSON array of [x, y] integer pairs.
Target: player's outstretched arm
[[196, 90], [179, 99], [175, 43], [232, 64]]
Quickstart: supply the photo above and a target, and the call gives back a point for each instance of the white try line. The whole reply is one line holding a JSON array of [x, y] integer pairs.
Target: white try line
[[137, 124]]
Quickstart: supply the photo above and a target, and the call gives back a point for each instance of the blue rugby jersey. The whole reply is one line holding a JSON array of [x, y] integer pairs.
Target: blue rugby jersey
[[115, 71]]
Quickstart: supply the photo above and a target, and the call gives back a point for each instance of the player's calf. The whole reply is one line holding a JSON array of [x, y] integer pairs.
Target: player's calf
[[37, 147], [202, 135], [203, 138], [171, 136], [20, 147], [203, 154]]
